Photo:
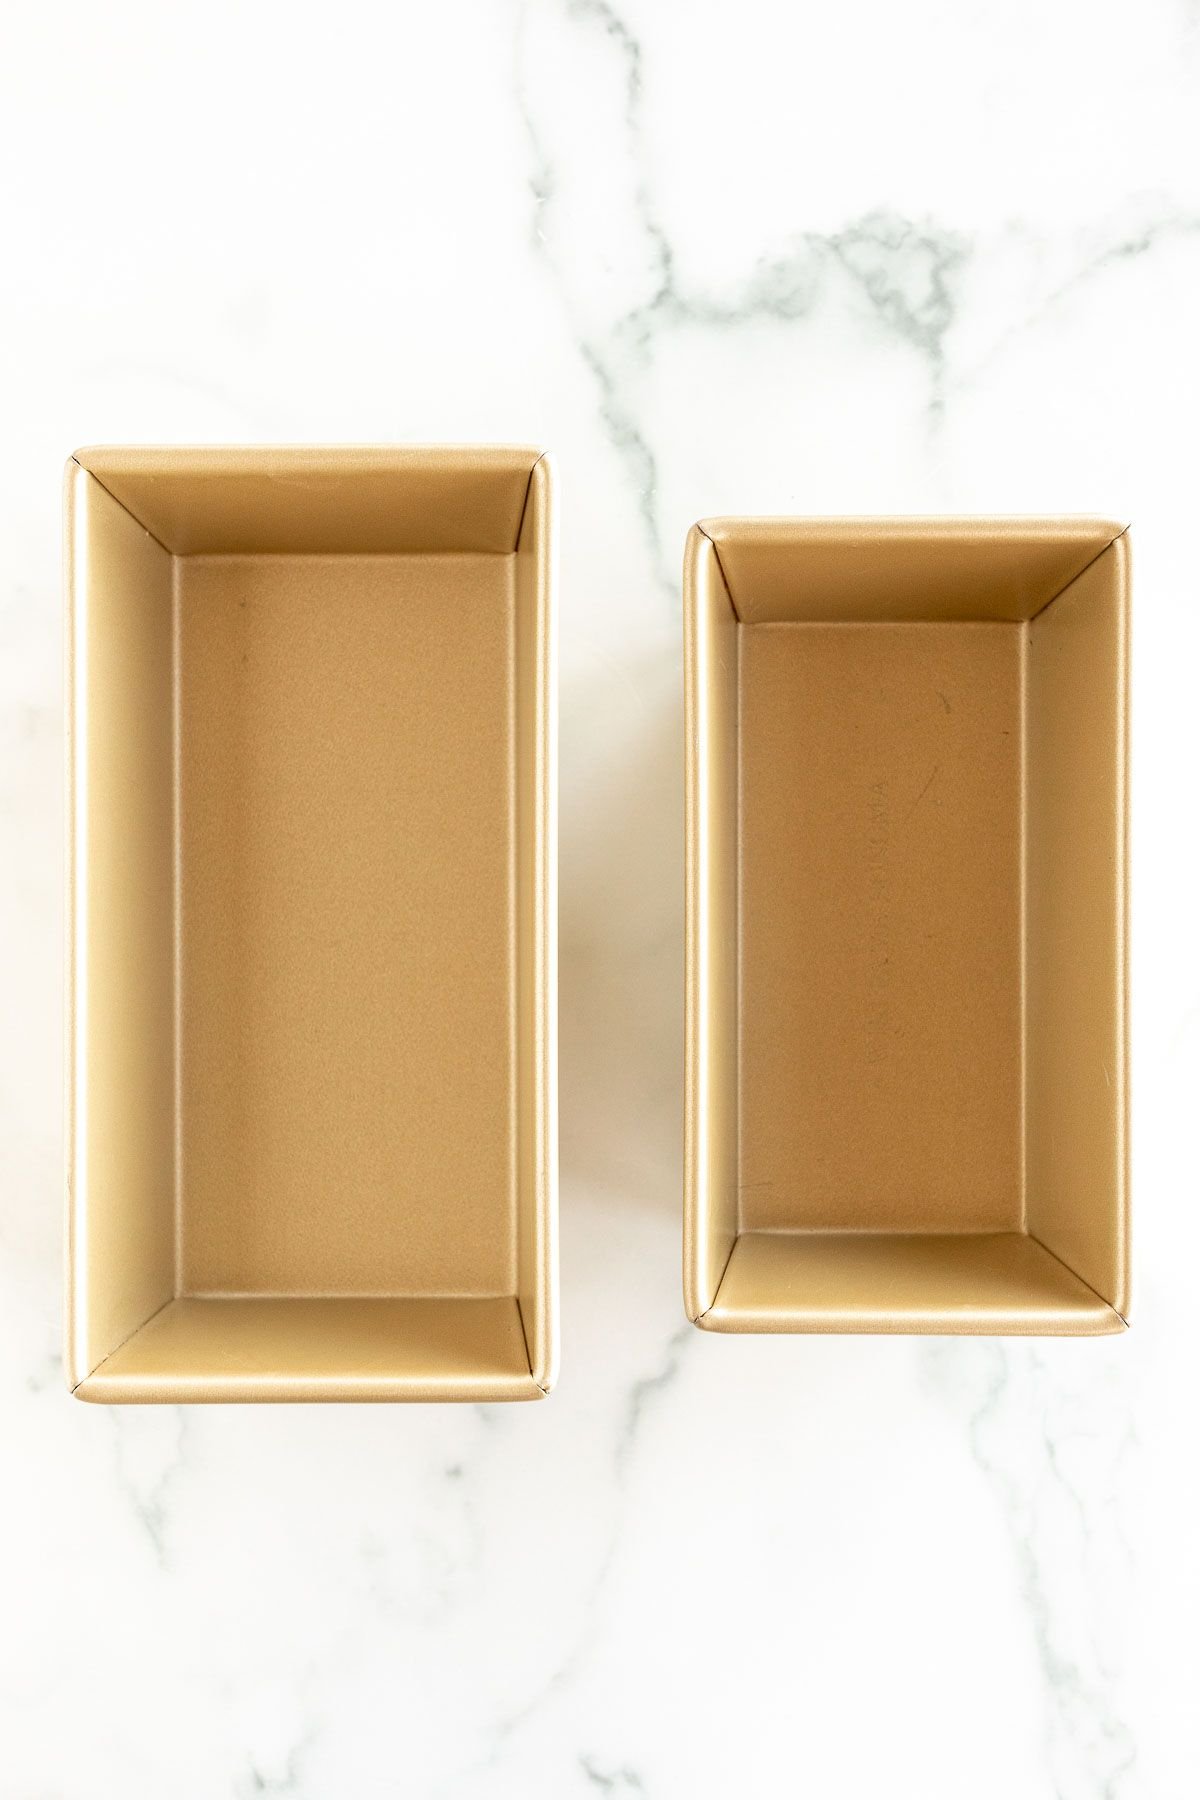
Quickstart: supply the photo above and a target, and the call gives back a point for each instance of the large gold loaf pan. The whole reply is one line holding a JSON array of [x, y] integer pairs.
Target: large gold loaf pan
[[906, 925], [312, 1142]]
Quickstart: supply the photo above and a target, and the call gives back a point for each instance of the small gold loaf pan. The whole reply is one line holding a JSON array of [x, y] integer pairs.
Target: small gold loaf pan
[[906, 925], [312, 1090]]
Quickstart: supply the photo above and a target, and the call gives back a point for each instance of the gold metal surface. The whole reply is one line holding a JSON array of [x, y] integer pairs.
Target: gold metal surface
[[312, 1142], [906, 849]]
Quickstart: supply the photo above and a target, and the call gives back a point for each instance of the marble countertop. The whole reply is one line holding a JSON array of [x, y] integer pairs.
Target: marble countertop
[[859, 258]]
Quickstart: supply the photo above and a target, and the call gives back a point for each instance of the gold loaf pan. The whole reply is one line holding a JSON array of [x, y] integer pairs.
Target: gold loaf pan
[[906, 926], [312, 1141]]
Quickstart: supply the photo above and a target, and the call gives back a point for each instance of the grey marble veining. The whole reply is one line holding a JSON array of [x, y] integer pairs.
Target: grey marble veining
[[859, 260]]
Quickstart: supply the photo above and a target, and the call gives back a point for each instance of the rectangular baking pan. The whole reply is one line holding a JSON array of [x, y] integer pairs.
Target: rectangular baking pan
[[312, 1020], [906, 925]]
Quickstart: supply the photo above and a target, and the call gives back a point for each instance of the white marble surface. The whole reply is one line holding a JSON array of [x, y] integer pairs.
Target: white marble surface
[[863, 257]]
